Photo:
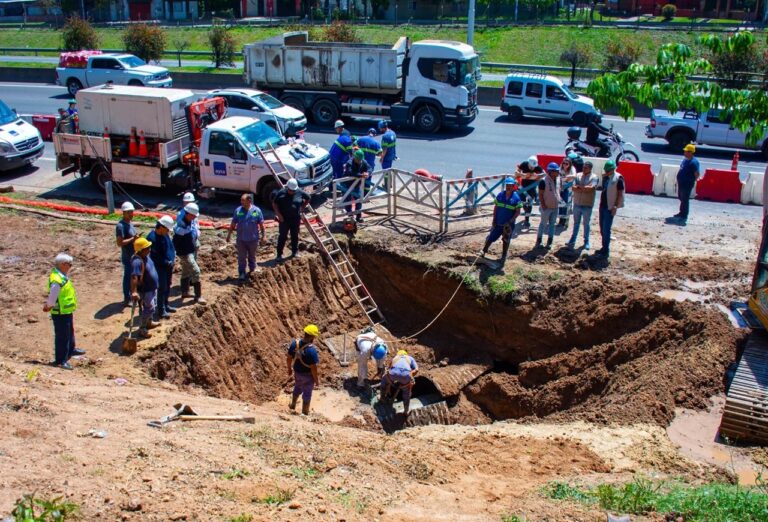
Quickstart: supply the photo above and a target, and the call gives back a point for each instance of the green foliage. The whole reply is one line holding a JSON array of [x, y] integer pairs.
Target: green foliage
[[511, 518], [31, 509], [145, 41], [244, 517], [620, 55], [736, 67], [222, 46], [564, 491], [281, 496], [638, 496], [669, 11], [235, 473], [305, 474], [339, 31], [78, 34], [472, 283], [503, 286]]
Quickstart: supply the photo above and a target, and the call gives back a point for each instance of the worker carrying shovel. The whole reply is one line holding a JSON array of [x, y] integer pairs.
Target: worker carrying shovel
[[400, 376], [369, 346], [302, 360]]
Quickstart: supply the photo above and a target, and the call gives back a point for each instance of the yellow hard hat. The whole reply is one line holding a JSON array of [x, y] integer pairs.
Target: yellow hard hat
[[312, 330], [402, 352], [140, 244], [689, 148]]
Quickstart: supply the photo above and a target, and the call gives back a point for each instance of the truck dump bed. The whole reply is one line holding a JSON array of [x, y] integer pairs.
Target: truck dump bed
[[291, 61]]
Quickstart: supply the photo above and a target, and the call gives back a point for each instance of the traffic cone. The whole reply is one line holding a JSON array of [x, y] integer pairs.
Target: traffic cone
[[106, 133], [133, 145], [143, 153], [735, 163]]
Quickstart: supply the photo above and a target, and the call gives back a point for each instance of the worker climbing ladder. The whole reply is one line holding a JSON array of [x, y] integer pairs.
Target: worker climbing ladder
[[327, 243]]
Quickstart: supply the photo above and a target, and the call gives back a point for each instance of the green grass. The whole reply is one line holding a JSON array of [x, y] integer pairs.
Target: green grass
[[281, 496], [235, 473], [244, 517], [305, 474], [706, 503]]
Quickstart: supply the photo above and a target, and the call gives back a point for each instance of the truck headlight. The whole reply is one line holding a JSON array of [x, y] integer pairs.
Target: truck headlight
[[5, 147], [461, 110], [302, 173]]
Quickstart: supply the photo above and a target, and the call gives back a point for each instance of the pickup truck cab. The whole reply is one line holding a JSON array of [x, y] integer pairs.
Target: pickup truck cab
[[711, 128], [20, 142], [543, 96], [120, 69], [258, 104]]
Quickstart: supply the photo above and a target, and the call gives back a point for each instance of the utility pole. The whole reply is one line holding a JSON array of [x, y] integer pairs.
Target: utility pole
[[471, 23], [516, 6], [82, 9]]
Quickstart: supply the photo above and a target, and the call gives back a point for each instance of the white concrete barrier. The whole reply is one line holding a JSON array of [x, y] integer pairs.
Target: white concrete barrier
[[665, 183], [597, 164], [752, 190]]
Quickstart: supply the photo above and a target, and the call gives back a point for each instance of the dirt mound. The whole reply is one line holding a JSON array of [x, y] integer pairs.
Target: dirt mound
[[695, 268]]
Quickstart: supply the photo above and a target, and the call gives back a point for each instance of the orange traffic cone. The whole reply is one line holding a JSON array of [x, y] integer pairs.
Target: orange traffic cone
[[143, 153], [106, 133], [133, 145], [735, 162]]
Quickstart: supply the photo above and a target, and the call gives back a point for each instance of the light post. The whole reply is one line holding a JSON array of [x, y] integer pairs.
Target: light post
[[471, 23]]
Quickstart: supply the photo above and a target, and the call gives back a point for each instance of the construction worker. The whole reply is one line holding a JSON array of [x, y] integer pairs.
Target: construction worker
[[72, 109], [689, 173], [611, 200], [126, 234], [62, 303], [400, 376], [340, 129], [370, 148], [357, 168], [185, 237], [144, 283], [369, 346], [549, 202], [506, 209], [388, 145], [186, 200], [340, 150], [302, 361], [163, 256], [288, 204], [530, 173], [584, 187], [64, 125], [249, 223]]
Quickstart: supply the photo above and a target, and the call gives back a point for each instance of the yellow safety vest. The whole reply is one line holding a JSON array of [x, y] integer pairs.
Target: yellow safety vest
[[67, 301]]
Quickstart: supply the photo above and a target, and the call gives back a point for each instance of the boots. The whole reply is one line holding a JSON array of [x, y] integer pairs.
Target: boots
[[305, 407], [486, 247], [185, 288], [504, 250], [198, 293], [292, 405], [549, 242]]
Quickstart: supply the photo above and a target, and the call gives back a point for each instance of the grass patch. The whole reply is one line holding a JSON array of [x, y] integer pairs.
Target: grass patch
[[305, 474], [503, 286], [235, 473], [472, 283], [243, 517], [281, 496], [32, 509]]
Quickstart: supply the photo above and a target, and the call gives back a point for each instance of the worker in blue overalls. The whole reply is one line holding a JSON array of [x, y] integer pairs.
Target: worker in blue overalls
[[340, 150], [506, 209], [388, 145], [370, 148]]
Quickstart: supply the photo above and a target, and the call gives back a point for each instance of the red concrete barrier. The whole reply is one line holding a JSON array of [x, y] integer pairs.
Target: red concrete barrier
[[720, 185], [45, 124], [546, 159], [638, 177]]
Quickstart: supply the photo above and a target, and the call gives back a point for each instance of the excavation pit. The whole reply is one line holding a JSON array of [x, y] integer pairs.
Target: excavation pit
[[599, 349]]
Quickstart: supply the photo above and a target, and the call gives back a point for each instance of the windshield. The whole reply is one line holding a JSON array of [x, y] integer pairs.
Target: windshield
[[132, 61], [569, 92], [470, 67], [260, 134], [267, 101], [6, 114]]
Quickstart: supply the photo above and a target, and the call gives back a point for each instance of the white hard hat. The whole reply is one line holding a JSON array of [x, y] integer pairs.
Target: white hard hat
[[193, 209], [338, 124], [127, 207], [292, 184], [188, 197], [166, 221], [533, 162]]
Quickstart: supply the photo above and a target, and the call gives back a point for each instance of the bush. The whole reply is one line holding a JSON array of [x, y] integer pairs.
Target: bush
[[222, 46], [618, 56], [576, 56], [32, 509], [145, 41], [318, 14], [669, 11], [78, 34], [340, 32], [735, 68]]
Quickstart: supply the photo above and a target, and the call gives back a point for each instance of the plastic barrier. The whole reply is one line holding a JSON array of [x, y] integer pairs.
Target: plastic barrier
[[546, 159], [720, 185], [638, 177], [45, 123], [665, 183], [752, 192], [598, 164]]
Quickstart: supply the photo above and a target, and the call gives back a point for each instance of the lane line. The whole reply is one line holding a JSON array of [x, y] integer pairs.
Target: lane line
[[32, 86]]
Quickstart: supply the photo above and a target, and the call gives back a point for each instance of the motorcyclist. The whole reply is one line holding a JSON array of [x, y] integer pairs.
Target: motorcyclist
[[594, 130]]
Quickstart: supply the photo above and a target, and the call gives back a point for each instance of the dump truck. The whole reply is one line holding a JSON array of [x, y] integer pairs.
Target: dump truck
[[176, 138], [427, 84]]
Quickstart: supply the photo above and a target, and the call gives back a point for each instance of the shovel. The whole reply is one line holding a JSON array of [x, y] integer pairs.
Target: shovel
[[235, 418], [181, 409], [129, 343]]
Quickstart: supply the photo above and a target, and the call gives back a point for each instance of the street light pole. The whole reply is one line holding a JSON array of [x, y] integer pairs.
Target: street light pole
[[471, 23]]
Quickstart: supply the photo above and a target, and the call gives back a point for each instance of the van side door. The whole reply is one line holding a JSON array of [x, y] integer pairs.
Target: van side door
[[557, 104], [533, 98]]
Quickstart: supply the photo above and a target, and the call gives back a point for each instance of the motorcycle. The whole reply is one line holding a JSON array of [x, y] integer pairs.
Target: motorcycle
[[615, 142]]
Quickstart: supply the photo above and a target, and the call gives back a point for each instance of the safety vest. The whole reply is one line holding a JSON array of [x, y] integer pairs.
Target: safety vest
[[505, 204], [67, 301]]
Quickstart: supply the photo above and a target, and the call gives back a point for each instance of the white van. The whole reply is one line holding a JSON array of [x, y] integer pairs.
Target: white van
[[20, 142], [542, 96]]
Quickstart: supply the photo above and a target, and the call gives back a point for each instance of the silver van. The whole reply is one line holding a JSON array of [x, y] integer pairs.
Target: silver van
[[543, 96]]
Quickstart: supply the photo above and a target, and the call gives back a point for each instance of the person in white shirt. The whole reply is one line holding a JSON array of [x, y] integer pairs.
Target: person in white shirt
[[369, 346]]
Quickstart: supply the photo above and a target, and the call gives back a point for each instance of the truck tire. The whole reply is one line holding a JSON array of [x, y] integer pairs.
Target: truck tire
[[678, 139], [296, 103], [135, 83], [579, 119], [99, 175], [73, 85], [428, 119], [325, 112], [266, 190], [515, 114]]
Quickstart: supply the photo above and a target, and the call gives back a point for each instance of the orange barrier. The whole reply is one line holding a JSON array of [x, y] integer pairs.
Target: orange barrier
[[638, 177], [546, 159], [720, 185]]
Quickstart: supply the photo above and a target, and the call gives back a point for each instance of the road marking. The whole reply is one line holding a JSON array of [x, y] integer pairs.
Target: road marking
[[32, 86], [639, 120]]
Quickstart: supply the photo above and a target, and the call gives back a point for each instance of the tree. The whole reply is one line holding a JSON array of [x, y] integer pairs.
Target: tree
[[669, 80], [538, 5], [340, 31], [145, 41], [78, 34], [180, 44], [222, 46], [735, 68], [619, 56], [577, 55]]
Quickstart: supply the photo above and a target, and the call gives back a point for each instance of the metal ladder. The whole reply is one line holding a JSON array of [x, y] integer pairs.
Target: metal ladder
[[327, 243]]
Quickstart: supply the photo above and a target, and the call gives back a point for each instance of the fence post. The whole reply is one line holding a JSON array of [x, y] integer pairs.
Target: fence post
[[394, 179], [444, 206], [110, 197]]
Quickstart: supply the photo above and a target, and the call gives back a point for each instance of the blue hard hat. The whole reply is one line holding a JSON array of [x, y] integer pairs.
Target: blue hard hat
[[553, 166], [383, 124], [510, 181], [379, 351], [372, 131]]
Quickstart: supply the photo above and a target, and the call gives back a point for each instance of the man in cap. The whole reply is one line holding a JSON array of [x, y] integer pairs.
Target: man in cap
[[686, 179], [584, 187], [302, 361], [530, 174], [340, 150], [64, 125], [126, 234], [388, 144], [185, 239], [144, 284], [248, 221], [506, 208], [288, 203], [62, 303], [369, 346], [400, 376], [611, 200], [72, 109], [163, 256], [370, 148], [549, 202], [358, 168]]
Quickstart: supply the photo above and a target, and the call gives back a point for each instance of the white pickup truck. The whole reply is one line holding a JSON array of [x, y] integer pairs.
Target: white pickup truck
[[712, 128], [120, 69]]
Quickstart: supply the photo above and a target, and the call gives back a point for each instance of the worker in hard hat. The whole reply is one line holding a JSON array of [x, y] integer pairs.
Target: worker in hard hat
[[388, 145], [529, 172], [163, 255], [359, 169], [62, 303], [288, 204], [687, 176], [549, 202], [369, 346], [186, 200], [370, 147], [185, 237], [340, 150], [302, 361], [72, 109], [144, 284], [506, 209], [126, 234], [248, 221], [400, 376]]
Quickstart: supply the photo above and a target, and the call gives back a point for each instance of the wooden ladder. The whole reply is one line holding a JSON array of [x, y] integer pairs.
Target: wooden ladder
[[327, 243]]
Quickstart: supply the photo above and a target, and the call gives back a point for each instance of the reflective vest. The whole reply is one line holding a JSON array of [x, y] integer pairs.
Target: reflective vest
[[67, 301]]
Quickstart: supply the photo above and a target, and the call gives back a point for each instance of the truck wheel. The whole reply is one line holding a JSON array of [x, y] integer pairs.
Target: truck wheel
[[579, 119], [325, 112], [515, 114], [428, 119], [266, 190], [677, 140], [73, 85], [99, 175], [294, 102], [135, 83]]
